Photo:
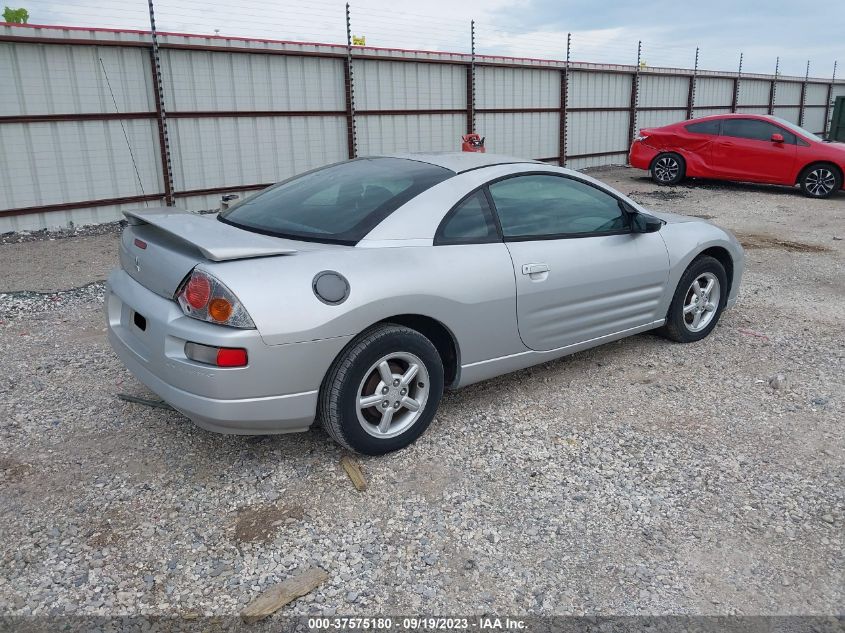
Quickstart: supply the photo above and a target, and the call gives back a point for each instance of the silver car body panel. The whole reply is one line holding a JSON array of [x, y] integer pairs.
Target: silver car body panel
[[216, 241], [460, 162], [276, 393], [597, 289]]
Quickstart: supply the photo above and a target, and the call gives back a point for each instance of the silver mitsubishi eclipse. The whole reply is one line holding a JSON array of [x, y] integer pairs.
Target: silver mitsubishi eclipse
[[354, 294]]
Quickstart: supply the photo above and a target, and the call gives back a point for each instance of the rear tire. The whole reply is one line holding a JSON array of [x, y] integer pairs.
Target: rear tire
[[382, 391], [820, 180], [694, 310], [668, 168]]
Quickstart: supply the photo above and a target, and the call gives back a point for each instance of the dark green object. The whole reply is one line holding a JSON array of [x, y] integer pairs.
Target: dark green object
[[837, 123]]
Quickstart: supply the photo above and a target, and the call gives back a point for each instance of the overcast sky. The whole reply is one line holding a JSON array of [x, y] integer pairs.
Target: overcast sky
[[604, 31]]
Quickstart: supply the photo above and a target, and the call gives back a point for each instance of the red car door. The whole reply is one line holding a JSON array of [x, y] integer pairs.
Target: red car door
[[745, 151]]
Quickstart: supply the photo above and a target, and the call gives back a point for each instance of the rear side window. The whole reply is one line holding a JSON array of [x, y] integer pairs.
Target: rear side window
[[470, 222], [340, 203], [704, 127], [755, 130]]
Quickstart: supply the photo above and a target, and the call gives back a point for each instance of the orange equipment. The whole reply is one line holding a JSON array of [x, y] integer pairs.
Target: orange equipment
[[472, 143]]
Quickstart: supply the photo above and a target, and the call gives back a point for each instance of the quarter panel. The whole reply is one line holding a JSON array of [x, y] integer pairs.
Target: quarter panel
[[696, 150], [159, 349], [468, 288]]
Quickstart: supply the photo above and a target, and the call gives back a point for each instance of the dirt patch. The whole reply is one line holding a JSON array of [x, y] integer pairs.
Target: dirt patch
[[259, 524], [12, 471], [112, 529], [755, 240], [659, 194]]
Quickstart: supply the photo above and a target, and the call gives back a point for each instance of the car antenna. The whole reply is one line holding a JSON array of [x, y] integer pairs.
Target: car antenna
[[125, 135]]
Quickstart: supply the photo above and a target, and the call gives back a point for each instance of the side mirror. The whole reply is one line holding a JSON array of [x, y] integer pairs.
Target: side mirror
[[777, 138], [642, 223]]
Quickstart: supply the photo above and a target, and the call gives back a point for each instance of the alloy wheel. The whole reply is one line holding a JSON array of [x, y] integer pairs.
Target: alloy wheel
[[392, 395], [820, 181], [666, 169], [702, 302]]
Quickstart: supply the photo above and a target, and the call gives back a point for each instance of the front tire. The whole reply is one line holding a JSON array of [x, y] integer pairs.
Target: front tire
[[668, 169], [383, 390], [698, 301], [820, 181]]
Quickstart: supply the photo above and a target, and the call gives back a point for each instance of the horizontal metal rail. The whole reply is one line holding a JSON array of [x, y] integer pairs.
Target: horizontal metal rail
[[87, 116], [213, 114], [82, 204], [226, 189]]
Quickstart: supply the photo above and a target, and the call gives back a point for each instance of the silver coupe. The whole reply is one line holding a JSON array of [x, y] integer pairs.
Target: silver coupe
[[356, 293]]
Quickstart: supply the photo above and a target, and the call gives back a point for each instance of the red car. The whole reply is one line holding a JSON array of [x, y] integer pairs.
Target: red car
[[742, 147]]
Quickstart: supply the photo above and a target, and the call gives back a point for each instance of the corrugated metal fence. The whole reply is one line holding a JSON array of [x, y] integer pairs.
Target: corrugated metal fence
[[84, 135]]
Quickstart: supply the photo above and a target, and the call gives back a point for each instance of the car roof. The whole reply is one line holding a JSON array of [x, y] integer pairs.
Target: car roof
[[459, 162], [732, 115]]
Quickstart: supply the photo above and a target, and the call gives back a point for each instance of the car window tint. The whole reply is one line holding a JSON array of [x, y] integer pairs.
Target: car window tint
[[789, 125], [470, 222], [704, 127], [338, 203], [545, 205], [755, 129]]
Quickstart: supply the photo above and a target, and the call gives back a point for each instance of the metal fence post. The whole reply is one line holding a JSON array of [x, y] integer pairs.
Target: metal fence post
[[828, 102], [351, 132], [161, 116], [471, 81], [803, 96], [564, 103], [773, 89], [735, 101], [635, 89], [691, 93]]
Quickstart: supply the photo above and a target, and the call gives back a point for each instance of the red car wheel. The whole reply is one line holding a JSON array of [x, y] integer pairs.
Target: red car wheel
[[668, 169]]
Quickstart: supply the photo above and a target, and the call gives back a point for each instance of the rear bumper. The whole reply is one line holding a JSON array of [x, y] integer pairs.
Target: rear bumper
[[246, 416], [275, 393], [641, 155]]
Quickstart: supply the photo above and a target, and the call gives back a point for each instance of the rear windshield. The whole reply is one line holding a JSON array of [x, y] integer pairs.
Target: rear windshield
[[340, 203]]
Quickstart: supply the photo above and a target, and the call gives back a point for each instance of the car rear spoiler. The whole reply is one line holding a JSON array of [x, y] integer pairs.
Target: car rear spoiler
[[216, 241]]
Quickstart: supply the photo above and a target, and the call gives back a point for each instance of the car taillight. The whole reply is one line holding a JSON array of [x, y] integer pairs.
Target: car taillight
[[206, 298], [218, 356], [198, 291], [231, 357]]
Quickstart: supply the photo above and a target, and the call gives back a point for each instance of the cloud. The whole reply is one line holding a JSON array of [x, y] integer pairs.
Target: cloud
[[670, 31], [601, 32]]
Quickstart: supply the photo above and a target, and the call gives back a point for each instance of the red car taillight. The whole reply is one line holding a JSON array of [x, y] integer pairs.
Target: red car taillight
[[218, 356], [206, 298], [231, 357], [198, 291]]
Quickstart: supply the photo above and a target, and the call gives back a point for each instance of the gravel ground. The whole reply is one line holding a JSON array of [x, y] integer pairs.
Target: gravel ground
[[642, 477]]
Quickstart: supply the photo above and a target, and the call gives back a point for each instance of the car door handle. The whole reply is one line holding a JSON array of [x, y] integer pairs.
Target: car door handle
[[533, 269]]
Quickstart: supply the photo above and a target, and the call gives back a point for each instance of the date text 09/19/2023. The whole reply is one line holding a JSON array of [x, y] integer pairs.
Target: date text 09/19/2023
[[417, 623]]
